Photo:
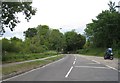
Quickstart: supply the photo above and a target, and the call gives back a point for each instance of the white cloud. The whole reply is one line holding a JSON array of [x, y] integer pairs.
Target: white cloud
[[65, 14]]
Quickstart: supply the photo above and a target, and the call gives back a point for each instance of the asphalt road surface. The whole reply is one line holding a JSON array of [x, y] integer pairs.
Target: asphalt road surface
[[71, 68]]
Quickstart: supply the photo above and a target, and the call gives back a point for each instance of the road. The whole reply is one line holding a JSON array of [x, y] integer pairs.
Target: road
[[73, 67]]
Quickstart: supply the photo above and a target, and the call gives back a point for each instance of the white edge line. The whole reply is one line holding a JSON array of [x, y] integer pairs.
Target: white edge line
[[111, 67], [96, 61], [93, 67], [32, 70], [68, 72]]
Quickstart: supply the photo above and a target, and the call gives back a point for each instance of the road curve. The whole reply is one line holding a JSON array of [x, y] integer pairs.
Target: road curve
[[70, 68]]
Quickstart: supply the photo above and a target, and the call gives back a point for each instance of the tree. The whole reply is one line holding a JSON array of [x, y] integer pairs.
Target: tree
[[10, 10], [16, 44], [46, 39], [43, 34], [104, 32], [31, 32], [37, 39], [5, 45], [56, 40], [74, 41], [112, 6]]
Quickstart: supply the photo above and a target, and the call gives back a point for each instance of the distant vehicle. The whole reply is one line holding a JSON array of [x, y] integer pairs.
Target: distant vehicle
[[108, 54]]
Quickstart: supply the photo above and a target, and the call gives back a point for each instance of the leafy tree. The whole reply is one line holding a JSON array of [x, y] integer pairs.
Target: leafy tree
[[10, 10], [74, 41], [56, 40], [104, 32], [31, 32], [16, 44], [43, 33], [26, 45], [112, 6], [37, 39], [5, 45], [45, 39]]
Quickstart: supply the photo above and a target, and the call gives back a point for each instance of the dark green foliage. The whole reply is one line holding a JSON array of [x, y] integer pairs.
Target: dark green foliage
[[112, 6], [104, 32], [5, 44], [56, 40], [31, 32], [53, 39], [10, 10], [38, 41], [74, 41], [15, 57], [12, 45]]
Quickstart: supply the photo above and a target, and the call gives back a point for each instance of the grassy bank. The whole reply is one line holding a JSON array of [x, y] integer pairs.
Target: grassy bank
[[16, 57], [20, 68], [98, 52]]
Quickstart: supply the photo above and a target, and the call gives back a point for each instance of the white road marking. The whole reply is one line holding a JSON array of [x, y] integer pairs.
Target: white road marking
[[68, 72], [111, 67], [74, 62], [96, 61], [32, 70], [92, 63], [92, 67], [75, 57]]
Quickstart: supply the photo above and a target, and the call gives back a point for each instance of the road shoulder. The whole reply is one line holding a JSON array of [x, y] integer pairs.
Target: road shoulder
[[112, 63]]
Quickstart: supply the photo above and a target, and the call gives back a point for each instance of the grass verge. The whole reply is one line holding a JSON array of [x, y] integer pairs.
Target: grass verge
[[21, 68], [97, 52], [17, 57]]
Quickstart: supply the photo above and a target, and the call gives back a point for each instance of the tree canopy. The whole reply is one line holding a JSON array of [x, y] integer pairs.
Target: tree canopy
[[74, 41], [31, 32], [42, 38], [10, 11], [104, 32]]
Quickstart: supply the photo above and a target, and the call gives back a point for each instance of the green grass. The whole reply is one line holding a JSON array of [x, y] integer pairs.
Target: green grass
[[17, 57], [55, 58], [20, 68]]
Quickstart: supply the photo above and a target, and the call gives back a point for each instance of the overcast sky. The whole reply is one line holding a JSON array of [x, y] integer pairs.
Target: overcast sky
[[65, 14]]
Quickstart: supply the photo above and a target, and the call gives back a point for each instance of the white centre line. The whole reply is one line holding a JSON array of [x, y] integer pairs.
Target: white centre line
[[68, 72], [96, 61], [75, 58], [74, 62]]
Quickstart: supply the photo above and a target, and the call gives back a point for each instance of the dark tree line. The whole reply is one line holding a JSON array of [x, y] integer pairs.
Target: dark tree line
[[42, 38], [74, 41], [53, 39]]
